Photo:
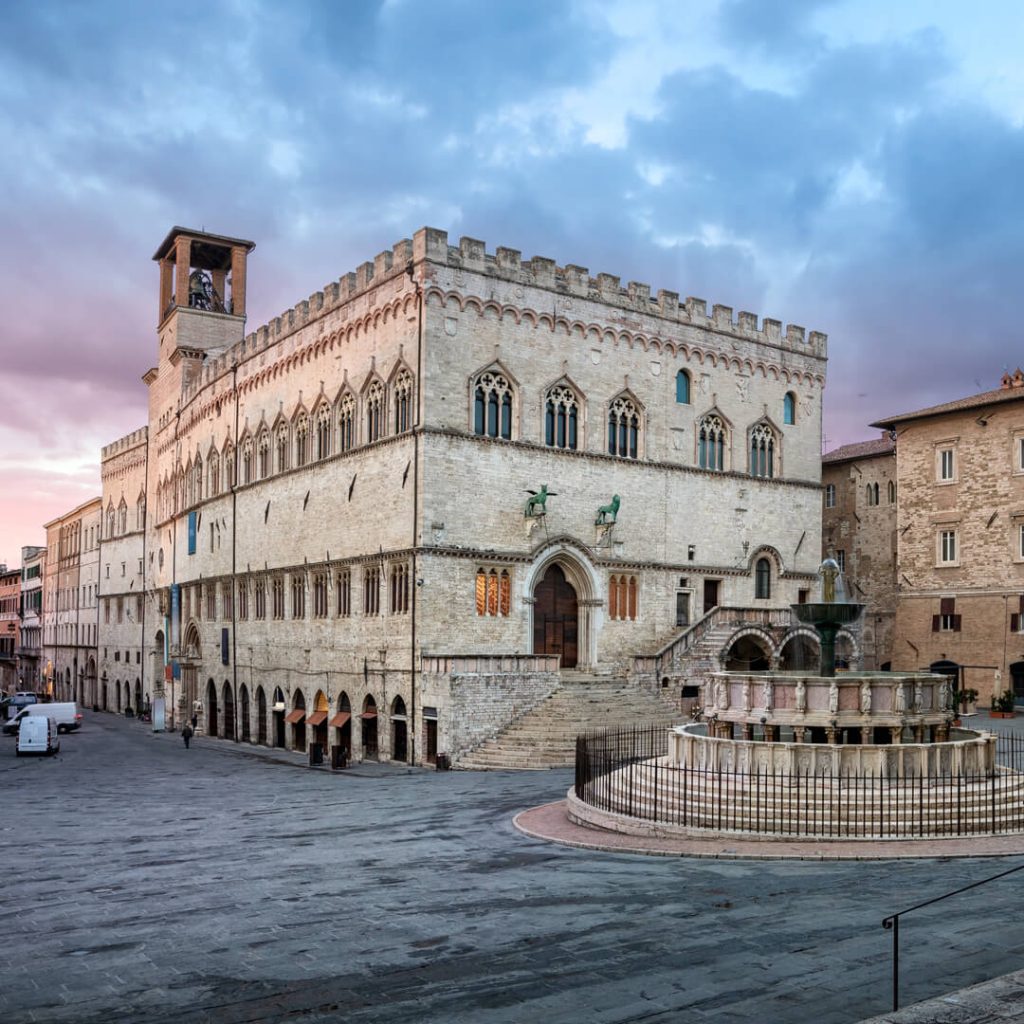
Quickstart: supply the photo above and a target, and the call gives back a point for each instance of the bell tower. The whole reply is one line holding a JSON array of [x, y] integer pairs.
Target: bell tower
[[202, 290]]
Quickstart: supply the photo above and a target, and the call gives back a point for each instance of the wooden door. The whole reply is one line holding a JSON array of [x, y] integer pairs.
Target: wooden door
[[710, 595], [556, 617]]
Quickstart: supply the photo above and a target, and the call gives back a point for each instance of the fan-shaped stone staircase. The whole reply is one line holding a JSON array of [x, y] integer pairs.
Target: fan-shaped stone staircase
[[545, 737]]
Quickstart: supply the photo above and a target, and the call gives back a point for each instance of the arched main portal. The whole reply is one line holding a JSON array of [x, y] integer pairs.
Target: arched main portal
[[556, 617], [211, 708]]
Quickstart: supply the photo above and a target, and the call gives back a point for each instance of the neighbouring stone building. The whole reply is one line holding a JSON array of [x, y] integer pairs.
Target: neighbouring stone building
[[10, 619], [337, 545], [960, 539], [70, 590], [859, 530], [30, 648], [122, 605]]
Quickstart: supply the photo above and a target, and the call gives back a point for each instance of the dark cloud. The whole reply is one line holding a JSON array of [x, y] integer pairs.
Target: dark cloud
[[857, 198]]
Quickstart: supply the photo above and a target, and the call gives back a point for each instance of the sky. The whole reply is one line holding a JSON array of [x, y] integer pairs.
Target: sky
[[853, 166]]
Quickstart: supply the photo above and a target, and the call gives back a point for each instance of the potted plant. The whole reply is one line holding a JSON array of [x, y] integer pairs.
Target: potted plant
[[1003, 706], [958, 702]]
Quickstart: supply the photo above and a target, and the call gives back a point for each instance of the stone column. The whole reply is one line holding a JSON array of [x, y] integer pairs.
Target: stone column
[[748, 731], [238, 280], [166, 288], [865, 735], [895, 735], [830, 735], [919, 733], [182, 265], [799, 732]]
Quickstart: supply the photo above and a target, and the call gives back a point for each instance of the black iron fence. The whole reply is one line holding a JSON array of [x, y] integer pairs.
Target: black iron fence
[[623, 771]]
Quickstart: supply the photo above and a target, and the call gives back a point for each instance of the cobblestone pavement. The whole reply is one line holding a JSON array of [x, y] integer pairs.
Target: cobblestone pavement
[[148, 883]]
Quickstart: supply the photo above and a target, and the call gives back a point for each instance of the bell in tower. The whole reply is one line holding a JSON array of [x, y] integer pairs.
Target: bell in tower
[[202, 287]]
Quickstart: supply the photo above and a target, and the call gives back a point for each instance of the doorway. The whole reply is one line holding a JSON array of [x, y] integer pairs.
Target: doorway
[[710, 594], [399, 733], [1017, 681], [556, 617]]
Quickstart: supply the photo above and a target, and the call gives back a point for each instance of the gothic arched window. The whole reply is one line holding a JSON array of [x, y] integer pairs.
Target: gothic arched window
[[561, 418], [281, 447], [301, 439], [247, 460], [122, 517], [711, 443], [263, 453], [323, 432], [762, 451], [403, 402], [623, 428], [375, 397], [196, 488], [110, 521], [347, 423], [622, 597], [682, 388], [892, 492], [492, 405], [213, 469]]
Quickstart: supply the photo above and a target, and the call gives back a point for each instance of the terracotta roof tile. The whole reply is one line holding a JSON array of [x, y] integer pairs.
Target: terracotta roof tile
[[860, 450], [996, 397]]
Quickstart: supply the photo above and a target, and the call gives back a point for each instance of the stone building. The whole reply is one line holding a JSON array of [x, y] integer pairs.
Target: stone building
[[859, 531], [70, 588], [960, 539], [30, 648], [10, 619], [122, 605], [338, 547]]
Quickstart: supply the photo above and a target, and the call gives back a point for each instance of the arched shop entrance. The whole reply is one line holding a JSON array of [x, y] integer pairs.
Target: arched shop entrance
[[341, 723], [317, 719], [279, 716], [369, 720], [211, 708], [229, 711], [399, 731], [297, 719]]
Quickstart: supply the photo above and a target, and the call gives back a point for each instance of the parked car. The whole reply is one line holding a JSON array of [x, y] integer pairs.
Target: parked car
[[10, 706], [37, 735], [66, 715]]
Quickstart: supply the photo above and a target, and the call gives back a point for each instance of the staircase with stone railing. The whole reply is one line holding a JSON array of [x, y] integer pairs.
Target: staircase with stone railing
[[545, 737]]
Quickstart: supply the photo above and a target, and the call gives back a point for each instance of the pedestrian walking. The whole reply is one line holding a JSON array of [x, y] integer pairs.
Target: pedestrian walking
[[195, 721], [186, 734]]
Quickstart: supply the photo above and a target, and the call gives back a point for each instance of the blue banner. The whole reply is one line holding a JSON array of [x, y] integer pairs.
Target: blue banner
[[192, 533], [175, 615]]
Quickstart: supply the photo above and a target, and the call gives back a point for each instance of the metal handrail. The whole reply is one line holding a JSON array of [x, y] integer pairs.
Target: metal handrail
[[892, 924]]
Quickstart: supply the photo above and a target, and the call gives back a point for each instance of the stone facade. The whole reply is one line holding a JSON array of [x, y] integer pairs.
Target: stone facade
[[960, 539], [30, 649], [340, 494], [122, 603], [859, 531], [10, 619], [70, 603]]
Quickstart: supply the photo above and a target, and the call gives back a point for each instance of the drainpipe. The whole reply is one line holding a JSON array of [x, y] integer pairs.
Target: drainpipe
[[234, 553], [416, 437]]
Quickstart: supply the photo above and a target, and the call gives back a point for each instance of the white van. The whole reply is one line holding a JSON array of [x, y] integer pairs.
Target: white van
[[37, 735], [66, 715]]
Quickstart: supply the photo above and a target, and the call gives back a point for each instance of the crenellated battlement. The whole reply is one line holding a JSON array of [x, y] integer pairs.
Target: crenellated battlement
[[572, 280], [431, 245], [123, 444]]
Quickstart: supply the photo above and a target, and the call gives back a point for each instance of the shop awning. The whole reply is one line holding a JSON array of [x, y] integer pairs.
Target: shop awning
[[340, 719], [295, 716], [316, 717], [368, 714]]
